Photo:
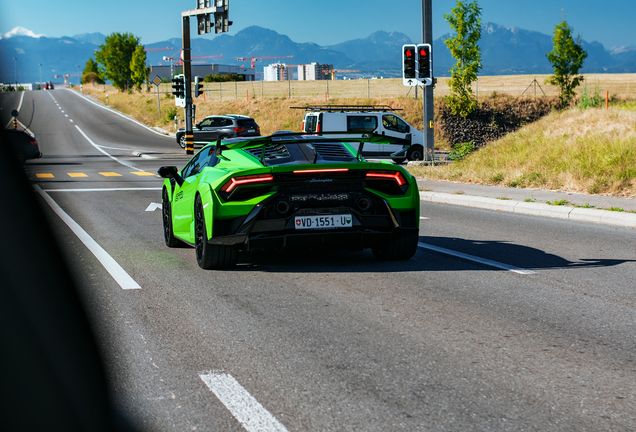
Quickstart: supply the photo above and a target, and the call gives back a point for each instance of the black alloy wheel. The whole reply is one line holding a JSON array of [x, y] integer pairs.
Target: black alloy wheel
[[210, 256], [402, 248], [168, 234]]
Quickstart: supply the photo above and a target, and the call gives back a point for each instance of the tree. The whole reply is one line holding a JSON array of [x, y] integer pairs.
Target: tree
[[138, 67], [465, 21], [567, 57], [91, 73], [114, 58]]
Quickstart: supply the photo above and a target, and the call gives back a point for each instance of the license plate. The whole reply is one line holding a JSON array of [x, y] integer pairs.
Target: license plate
[[324, 222], [251, 130]]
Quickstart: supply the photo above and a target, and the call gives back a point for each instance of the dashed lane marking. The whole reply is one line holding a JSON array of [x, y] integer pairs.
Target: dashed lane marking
[[77, 174], [44, 175], [110, 174], [243, 406], [142, 173]]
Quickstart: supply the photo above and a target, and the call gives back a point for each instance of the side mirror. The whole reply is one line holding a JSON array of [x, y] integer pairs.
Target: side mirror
[[170, 172]]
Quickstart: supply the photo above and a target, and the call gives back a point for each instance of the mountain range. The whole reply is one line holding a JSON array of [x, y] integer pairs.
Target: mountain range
[[505, 51]]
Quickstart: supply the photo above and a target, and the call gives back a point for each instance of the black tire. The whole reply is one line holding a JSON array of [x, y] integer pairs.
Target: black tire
[[21, 156], [402, 248], [182, 141], [415, 153], [168, 234], [210, 256], [399, 160]]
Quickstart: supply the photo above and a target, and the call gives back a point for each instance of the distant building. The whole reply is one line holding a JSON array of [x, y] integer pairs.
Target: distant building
[[278, 72], [203, 71], [314, 72]]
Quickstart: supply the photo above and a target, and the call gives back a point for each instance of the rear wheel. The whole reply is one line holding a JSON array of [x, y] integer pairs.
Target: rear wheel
[[21, 156], [415, 153], [168, 234], [182, 141], [210, 256], [402, 248]]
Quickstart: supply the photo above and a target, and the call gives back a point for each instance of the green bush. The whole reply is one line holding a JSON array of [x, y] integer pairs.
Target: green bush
[[460, 151]]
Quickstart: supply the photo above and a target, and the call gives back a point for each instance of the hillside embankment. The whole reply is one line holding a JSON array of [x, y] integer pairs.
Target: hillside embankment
[[531, 142]]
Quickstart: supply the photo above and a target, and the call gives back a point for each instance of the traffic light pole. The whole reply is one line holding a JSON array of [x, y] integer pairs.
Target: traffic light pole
[[427, 38], [187, 72]]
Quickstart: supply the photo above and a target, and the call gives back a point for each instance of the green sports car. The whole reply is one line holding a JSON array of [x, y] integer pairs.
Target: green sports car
[[290, 190]]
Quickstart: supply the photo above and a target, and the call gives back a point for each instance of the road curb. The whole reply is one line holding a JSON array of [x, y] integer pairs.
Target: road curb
[[603, 217]]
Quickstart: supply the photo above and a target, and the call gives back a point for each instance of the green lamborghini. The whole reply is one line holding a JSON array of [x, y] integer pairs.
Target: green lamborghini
[[290, 190]]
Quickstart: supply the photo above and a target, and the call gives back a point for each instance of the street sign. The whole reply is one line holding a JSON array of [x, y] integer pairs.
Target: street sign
[[156, 80]]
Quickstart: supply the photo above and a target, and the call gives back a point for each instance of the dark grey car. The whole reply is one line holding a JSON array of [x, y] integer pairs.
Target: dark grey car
[[213, 128], [24, 145]]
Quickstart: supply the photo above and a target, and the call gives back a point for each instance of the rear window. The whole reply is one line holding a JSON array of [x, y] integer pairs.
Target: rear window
[[362, 123], [247, 123], [310, 123]]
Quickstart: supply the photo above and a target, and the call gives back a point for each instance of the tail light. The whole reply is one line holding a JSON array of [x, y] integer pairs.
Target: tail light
[[394, 175], [304, 126], [318, 127], [33, 143], [243, 180], [239, 130]]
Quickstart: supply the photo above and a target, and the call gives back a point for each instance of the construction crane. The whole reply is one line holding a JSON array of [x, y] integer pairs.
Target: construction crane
[[255, 58], [161, 49], [332, 72]]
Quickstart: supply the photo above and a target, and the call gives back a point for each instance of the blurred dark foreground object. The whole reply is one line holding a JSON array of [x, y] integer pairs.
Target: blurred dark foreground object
[[51, 374], [24, 145]]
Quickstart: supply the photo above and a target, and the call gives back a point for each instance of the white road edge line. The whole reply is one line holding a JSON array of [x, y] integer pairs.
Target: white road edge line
[[99, 148], [116, 271], [243, 406], [118, 113], [476, 259]]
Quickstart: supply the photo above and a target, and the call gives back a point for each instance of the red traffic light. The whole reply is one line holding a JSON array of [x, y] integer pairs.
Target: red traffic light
[[423, 52]]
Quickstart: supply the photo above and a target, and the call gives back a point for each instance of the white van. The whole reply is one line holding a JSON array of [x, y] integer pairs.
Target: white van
[[380, 119]]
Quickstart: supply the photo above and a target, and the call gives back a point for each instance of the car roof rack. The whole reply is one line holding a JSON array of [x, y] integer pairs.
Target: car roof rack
[[347, 108]]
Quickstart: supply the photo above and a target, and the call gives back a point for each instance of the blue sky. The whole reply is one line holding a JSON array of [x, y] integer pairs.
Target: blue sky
[[325, 22]]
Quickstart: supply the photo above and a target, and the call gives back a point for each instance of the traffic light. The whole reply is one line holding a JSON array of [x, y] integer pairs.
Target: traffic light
[[408, 58], [424, 71], [178, 90], [198, 88]]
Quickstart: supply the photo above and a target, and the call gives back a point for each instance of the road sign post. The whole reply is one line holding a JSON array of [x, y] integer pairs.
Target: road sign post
[[157, 80], [204, 13]]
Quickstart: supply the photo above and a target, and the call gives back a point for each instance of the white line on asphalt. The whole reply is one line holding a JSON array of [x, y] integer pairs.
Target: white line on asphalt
[[422, 217], [247, 410], [116, 271], [99, 148], [104, 189], [476, 259], [155, 206], [118, 113]]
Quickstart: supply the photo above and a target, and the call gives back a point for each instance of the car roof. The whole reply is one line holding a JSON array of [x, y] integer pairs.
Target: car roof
[[232, 116]]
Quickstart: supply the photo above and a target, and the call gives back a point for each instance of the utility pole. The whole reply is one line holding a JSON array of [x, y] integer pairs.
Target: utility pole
[[204, 13], [16, 73], [40, 73], [428, 108]]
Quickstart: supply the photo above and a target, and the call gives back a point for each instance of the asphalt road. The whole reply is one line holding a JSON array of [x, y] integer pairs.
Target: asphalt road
[[540, 337]]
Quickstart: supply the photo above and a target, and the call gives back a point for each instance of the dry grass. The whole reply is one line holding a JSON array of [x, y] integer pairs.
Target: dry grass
[[590, 151]]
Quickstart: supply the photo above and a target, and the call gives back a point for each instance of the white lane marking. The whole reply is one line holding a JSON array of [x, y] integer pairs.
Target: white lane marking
[[66, 115], [247, 410], [99, 148], [422, 217], [71, 120], [154, 206], [476, 259], [103, 189], [118, 113], [116, 271]]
